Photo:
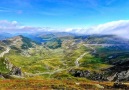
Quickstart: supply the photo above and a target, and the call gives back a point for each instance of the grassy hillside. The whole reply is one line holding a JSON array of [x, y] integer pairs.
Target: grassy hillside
[[56, 57], [60, 53], [42, 58]]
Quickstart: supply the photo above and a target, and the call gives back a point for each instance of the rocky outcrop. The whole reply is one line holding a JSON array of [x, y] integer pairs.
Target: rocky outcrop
[[1, 76], [119, 76], [16, 71], [80, 73], [13, 70], [119, 85], [88, 74], [8, 64], [118, 72]]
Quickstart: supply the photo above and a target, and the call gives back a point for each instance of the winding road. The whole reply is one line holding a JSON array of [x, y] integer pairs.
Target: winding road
[[5, 52], [59, 70], [79, 58]]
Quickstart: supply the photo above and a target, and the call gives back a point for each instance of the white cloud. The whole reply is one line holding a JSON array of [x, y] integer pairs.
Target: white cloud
[[120, 28], [15, 27]]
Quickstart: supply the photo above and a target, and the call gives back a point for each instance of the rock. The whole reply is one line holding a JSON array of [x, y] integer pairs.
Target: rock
[[8, 64], [99, 86], [77, 83], [16, 71], [118, 72], [111, 78], [80, 73], [17, 77], [88, 74], [120, 85], [1, 76]]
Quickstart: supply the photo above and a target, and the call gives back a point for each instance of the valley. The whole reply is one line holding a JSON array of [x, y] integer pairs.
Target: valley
[[84, 60]]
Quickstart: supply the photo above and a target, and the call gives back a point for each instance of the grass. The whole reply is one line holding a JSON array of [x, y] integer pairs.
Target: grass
[[72, 54], [3, 68], [105, 53], [41, 59], [91, 62], [48, 84]]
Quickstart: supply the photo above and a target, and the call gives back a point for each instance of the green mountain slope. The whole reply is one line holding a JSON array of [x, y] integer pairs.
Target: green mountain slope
[[56, 58]]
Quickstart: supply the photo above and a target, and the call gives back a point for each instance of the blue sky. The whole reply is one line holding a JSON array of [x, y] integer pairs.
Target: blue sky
[[79, 16], [64, 13]]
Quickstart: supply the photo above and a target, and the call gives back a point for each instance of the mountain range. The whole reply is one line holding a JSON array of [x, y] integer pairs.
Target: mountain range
[[64, 55]]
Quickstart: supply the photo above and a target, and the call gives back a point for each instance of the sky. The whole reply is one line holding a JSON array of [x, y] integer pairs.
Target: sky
[[81, 16]]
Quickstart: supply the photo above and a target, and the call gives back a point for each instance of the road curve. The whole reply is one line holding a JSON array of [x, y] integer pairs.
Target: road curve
[[79, 58], [5, 52]]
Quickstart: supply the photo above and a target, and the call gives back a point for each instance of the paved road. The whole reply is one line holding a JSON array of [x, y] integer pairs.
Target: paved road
[[5, 52], [79, 58]]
